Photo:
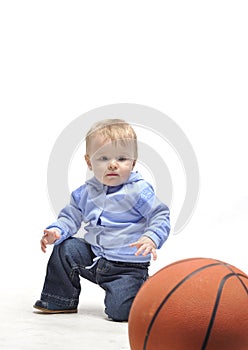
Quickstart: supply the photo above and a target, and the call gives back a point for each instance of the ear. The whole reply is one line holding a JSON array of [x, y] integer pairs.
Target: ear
[[87, 159], [134, 162]]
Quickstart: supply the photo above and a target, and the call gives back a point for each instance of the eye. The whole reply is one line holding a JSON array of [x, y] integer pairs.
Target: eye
[[103, 158], [122, 159]]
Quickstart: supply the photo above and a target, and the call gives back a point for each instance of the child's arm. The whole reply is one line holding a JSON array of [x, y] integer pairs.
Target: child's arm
[[145, 245], [157, 217], [69, 219], [49, 237]]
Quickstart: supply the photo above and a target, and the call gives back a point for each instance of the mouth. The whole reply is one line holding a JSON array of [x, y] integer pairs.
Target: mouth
[[112, 175]]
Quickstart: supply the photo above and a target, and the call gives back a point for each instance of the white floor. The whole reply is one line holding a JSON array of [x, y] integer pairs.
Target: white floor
[[22, 328], [22, 276]]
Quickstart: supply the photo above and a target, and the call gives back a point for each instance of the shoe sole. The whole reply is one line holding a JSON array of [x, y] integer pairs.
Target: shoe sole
[[47, 311]]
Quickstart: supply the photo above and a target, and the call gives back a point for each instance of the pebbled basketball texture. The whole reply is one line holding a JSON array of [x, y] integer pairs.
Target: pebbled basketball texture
[[192, 304]]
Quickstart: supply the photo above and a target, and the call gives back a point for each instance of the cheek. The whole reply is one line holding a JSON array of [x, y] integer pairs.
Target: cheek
[[127, 170], [130, 166], [98, 168]]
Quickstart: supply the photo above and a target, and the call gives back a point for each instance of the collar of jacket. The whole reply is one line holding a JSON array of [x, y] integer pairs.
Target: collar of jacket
[[97, 185]]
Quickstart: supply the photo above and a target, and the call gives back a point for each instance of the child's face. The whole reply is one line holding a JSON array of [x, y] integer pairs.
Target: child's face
[[111, 162]]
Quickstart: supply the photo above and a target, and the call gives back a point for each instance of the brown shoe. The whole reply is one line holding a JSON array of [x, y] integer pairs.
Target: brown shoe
[[49, 308]]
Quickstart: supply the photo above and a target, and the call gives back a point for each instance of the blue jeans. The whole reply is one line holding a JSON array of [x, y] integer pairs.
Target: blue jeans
[[120, 280]]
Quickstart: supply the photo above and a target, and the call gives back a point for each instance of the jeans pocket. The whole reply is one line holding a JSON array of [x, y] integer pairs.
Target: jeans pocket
[[103, 267]]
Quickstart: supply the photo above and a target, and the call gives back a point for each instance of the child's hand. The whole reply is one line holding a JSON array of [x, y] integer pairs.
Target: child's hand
[[145, 245], [49, 237]]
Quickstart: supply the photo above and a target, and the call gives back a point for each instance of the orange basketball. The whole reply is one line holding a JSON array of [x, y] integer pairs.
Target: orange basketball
[[192, 304]]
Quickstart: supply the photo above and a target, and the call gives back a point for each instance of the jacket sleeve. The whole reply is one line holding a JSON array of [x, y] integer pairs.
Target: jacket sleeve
[[69, 219], [157, 215]]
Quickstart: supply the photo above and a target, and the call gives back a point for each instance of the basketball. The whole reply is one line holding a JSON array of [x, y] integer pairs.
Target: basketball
[[192, 304]]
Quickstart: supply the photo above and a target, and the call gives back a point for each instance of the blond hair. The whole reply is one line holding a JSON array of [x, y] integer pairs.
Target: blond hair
[[114, 130]]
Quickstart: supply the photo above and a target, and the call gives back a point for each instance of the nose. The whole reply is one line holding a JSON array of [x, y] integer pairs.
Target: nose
[[113, 164]]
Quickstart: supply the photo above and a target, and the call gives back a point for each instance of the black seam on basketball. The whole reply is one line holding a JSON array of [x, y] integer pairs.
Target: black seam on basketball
[[169, 295], [230, 268], [216, 304], [185, 260]]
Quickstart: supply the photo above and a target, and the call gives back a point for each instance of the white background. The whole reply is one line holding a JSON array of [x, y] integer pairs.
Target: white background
[[60, 59]]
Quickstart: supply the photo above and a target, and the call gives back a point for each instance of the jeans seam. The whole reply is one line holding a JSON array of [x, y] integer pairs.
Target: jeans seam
[[62, 299]]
